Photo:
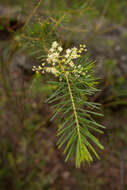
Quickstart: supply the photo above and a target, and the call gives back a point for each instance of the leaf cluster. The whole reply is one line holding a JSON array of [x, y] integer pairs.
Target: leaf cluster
[[74, 111]]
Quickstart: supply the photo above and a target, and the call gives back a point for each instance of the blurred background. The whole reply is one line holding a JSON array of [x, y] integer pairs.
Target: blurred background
[[29, 158]]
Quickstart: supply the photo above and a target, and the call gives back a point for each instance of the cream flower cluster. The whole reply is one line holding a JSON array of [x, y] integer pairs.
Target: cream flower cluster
[[59, 61], [54, 53]]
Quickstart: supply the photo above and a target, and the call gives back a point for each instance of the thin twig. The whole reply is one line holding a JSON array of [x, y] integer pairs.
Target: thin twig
[[31, 15]]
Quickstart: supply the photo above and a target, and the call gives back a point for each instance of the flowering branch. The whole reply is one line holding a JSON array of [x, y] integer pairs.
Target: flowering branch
[[75, 82]]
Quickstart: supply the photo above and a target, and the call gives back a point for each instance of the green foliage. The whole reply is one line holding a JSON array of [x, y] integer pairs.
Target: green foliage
[[12, 167], [75, 82], [118, 92], [40, 86], [71, 104], [114, 9]]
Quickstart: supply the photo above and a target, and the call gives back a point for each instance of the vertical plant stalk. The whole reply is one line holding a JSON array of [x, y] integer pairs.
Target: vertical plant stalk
[[72, 100], [75, 113], [73, 105]]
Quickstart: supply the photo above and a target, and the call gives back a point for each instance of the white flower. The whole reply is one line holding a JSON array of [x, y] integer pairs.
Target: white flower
[[48, 60], [54, 71], [34, 68], [74, 55], [74, 49], [52, 57], [55, 44], [56, 55], [67, 55], [60, 48], [51, 50], [71, 64], [51, 70], [68, 51]]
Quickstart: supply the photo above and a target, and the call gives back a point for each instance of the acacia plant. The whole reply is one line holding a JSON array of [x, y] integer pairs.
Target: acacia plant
[[74, 83]]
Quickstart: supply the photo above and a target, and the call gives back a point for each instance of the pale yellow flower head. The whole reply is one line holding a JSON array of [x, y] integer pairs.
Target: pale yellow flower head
[[58, 60]]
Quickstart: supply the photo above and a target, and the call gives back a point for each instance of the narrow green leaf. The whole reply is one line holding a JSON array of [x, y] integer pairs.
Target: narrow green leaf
[[64, 138], [65, 129], [71, 140]]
